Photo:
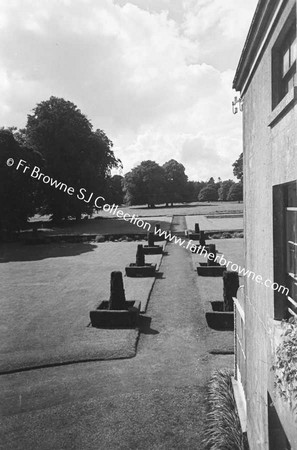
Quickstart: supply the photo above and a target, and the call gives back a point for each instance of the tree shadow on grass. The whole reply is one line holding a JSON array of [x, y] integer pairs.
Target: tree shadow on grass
[[100, 225], [10, 252]]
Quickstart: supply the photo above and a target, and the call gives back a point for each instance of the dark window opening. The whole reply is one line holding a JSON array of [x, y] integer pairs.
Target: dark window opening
[[285, 249], [284, 55]]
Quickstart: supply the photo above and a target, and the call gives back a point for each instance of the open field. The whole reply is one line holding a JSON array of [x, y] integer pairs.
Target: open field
[[214, 223], [46, 294], [182, 209], [105, 225]]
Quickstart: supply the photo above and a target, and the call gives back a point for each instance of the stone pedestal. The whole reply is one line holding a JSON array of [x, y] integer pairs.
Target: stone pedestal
[[151, 248], [140, 268], [202, 238], [116, 312], [231, 285]]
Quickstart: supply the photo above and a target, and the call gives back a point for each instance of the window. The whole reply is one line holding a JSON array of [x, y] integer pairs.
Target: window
[[291, 251], [285, 248], [284, 55]]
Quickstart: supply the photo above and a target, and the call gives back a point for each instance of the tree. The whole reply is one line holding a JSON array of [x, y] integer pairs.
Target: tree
[[236, 192], [18, 194], [193, 189], [208, 194], [224, 189], [238, 167], [74, 154], [176, 182], [115, 193], [145, 184]]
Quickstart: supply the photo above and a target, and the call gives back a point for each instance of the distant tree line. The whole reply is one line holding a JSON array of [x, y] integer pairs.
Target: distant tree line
[[152, 184], [61, 142]]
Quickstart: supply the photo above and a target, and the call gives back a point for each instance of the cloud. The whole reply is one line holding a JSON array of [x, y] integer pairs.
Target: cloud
[[154, 75]]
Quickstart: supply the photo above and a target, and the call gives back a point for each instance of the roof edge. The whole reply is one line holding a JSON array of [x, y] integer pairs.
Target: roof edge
[[260, 21]]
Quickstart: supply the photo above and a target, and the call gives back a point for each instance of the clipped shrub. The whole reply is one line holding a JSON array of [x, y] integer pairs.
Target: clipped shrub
[[215, 236], [238, 234], [226, 235], [100, 238], [223, 430]]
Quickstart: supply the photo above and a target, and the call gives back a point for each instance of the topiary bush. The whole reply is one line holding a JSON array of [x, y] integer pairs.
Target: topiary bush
[[226, 235], [215, 236], [238, 234]]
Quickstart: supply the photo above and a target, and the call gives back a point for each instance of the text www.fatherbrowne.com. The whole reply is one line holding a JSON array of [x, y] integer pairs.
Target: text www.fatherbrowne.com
[[97, 202], [219, 258]]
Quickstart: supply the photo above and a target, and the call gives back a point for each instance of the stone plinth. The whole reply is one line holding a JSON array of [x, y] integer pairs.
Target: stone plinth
[[211, 271], [116, 312], [151, 248], [103, 317], [140, 268], [147, 270]]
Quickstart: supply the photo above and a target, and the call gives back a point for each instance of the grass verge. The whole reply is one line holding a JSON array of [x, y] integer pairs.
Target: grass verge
[[223, 430]]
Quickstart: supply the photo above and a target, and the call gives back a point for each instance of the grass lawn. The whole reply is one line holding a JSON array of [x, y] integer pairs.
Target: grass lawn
[[46, 294], [211, 288], [214, 224], [183, 209], [106, 226]]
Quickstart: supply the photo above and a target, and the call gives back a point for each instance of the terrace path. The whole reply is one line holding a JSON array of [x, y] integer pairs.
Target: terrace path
[[153, 401]]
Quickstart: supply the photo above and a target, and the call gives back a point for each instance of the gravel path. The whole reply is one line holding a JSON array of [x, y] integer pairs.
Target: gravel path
[[153, 401]]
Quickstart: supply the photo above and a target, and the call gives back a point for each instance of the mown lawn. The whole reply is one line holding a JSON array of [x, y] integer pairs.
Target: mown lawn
[[46, 294]]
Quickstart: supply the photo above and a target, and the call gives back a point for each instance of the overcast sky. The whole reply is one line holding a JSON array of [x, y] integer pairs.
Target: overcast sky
[[155, 75]]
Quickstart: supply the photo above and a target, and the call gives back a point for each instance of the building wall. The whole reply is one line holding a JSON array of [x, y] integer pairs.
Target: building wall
[[270, 158]]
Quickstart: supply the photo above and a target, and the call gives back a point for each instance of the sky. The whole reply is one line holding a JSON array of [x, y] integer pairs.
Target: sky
[[155, 75]]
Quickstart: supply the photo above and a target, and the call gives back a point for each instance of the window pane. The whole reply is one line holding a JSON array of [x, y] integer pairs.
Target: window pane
[[290, 84], [286, 62], [292, 242], [292, 194], [293, 52]]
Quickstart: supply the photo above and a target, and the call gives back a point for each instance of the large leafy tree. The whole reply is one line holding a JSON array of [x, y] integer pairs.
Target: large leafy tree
[[208, 194], [175, 182], [74, 154], [145, 184], [238, 167], [224, 189], [193, 189], [18, 193], [115, 193], [236, 192]]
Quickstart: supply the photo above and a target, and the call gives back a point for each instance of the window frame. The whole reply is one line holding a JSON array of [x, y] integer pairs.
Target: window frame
[[284, 201], [285, 42]]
